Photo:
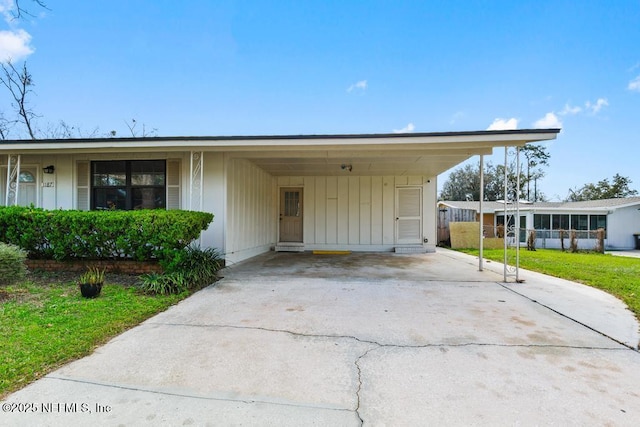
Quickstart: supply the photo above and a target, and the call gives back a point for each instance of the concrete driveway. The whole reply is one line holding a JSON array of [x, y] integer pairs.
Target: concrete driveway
[[361, 339]]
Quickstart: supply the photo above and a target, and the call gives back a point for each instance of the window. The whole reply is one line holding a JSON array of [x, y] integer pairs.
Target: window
[[597, 221], [560, 222], [579, 222], [542, 221], [542, 225], [128, 184], [27, 177], [500, 220]]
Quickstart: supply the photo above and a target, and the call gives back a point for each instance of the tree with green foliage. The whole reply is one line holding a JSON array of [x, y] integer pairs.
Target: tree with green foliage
[[618, 188], [536, 156], [464, 182]]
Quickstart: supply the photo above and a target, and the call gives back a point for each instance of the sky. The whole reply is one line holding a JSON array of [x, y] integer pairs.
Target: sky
[[289, 67]]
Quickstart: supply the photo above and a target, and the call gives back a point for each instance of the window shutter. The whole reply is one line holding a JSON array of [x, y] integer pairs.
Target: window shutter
[[82, 186], [173, 184]]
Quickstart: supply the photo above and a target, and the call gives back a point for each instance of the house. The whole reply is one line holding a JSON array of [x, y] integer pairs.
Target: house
[[368, 192], [620, 218]]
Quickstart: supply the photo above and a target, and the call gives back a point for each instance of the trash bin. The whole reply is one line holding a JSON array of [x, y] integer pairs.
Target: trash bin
[[637, 239]]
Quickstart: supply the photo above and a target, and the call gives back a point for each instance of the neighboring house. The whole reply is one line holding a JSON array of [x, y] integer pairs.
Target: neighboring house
[[619, 217], [373, 192]]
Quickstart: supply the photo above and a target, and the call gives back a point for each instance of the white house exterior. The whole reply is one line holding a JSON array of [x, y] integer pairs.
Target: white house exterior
[[619, 217], [374, 192]]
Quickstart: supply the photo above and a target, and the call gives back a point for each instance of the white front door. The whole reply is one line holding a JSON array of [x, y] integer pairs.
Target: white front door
[[28, 191], [27, 186], [408, 215]]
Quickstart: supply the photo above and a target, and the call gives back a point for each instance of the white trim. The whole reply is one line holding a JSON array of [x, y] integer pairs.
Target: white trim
[[462, 140]]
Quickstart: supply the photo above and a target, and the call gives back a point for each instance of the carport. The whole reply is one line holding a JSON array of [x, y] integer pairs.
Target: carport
[[360, 192]]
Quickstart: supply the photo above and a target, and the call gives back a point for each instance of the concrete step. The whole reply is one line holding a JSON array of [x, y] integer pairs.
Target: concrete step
[[410, 249]]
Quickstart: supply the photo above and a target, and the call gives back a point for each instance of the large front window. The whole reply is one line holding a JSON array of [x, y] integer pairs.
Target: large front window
[[128, 184]]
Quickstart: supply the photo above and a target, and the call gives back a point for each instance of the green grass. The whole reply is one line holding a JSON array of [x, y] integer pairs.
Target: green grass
[[45, 326], [619, 276]]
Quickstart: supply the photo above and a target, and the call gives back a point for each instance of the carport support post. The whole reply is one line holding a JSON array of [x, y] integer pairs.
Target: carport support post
[[506, 222], [481, 243]]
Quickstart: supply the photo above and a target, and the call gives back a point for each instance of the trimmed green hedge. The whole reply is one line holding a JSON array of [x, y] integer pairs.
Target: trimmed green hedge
[[65, 234], [12, 266]]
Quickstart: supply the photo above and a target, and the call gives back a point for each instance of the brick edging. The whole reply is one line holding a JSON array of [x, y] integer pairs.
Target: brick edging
[[110, 266]]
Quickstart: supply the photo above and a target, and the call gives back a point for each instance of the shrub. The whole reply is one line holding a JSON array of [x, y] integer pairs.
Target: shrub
[[600, 240], [573, 241], [163, 284], [65, 234], [12, 264], [187, 269]]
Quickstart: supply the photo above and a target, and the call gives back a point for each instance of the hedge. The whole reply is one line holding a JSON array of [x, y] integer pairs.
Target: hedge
[[66, 234], [12, 264]]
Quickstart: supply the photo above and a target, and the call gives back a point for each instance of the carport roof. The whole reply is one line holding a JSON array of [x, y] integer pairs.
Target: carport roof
[[367, 154]]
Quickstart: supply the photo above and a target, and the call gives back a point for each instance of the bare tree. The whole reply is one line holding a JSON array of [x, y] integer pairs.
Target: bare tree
[[135, 133], [4, 126], [64, 130], [19, 83], [20, 10]]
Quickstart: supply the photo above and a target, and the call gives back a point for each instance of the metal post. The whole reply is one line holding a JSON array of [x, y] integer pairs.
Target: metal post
[[517, 221], [481, 243], [506, 222]]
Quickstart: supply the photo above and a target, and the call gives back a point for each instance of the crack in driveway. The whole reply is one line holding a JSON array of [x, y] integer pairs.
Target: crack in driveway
[[389, 345], [376, 345]]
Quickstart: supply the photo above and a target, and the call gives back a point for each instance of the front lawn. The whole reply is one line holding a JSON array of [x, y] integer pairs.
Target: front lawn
[[619, 276], [44, 323]]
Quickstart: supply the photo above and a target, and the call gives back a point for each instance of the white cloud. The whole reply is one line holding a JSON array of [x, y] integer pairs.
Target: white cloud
[[14, 45], [504, 124], [360, 86], [569, 110], [634, 85], [595, 108], [6, 9], [407, 129], [549, 121]]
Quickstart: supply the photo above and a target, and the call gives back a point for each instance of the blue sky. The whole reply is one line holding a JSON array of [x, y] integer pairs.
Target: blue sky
[[313, 67]]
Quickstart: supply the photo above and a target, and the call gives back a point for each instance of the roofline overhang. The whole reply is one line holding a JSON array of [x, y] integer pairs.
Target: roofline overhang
[[473, 140]]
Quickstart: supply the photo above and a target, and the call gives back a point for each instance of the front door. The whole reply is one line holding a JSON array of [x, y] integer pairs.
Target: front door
[[28, 191], [291, 215], [409, 215]]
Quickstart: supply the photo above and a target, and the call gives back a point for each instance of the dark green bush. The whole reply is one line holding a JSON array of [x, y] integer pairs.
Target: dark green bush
[[186, 269], [66, 234], [12, 266]]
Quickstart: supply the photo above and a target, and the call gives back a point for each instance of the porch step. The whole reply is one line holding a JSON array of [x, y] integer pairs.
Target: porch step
[[289, 247], [415, 249]]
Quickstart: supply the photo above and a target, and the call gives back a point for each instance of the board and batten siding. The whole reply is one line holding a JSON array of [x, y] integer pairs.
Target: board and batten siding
[[351, 212], [251, 214]]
